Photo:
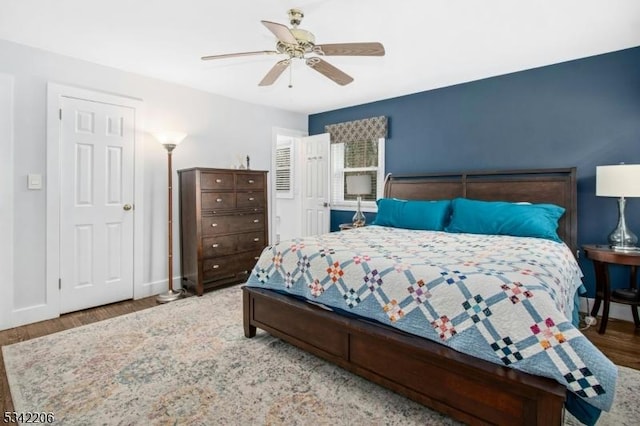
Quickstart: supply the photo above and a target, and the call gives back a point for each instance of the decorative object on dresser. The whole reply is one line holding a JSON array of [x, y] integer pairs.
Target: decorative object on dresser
[[359, 185], [620, 180], [223, 223], [170, 140]]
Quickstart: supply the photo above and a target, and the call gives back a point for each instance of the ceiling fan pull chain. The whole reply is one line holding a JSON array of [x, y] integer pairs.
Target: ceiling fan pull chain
[[291, 76]]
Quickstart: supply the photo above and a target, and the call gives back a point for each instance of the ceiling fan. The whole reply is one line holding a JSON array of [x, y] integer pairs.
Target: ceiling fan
[[297, 43]]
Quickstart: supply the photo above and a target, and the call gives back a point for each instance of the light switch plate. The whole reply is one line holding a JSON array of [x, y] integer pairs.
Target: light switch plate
[[34, 181]]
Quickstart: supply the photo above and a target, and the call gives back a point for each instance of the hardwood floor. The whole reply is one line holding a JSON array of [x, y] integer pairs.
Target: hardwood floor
[[621, 343]]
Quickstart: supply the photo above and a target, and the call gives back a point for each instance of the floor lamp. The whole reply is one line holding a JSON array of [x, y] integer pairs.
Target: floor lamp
[[170, 140]]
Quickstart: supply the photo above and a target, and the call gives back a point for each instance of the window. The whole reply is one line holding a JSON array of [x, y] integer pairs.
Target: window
[[356, 158], [357, 148], [284, 168]]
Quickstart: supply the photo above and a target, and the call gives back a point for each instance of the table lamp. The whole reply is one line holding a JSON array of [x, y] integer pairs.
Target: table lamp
[[359, 185], [620, 180]]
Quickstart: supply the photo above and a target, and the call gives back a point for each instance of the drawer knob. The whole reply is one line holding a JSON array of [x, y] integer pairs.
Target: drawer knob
[[216, 266], [256, 239], [256, 220], [251, 181], [251, 198], [218, 200], [214, 224], [218, 180], [215, 245]]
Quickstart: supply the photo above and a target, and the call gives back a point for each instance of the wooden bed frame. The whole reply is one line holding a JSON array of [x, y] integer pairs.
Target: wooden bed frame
[[468, 389]]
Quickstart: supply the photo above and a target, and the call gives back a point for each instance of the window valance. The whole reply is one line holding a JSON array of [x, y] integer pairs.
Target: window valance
[[367, 129]]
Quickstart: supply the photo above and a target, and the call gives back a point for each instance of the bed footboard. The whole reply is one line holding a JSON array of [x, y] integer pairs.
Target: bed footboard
[[466, 388]]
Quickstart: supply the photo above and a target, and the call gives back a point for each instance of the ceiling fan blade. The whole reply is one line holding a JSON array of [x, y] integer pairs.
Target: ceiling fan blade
[[280, 31], [275, 72], [350, 49], [330, 71], [235, 55]]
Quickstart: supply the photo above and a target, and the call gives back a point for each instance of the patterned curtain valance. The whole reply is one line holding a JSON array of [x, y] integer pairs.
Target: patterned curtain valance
[[359, 130]]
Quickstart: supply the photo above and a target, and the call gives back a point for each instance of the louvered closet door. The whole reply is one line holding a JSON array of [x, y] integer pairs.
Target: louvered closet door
[[96, 204]]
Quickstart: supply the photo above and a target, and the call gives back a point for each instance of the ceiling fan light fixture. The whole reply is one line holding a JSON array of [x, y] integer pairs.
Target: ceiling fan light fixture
[[303, 36], [296, 43]]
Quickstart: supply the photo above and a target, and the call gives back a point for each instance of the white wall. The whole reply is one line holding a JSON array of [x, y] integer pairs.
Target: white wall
[[219, 129]]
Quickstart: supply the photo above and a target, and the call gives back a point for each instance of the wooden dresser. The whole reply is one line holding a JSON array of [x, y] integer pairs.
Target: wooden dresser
[[223, 225]]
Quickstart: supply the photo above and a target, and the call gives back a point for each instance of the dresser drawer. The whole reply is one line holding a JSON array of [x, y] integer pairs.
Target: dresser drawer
[[228, 266], [251, 241], [215, 225], [227, 244], [216, 180], [250, 199], [249, 181], [217, 200]]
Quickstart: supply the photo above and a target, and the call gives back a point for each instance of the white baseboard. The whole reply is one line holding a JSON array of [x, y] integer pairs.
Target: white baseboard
[[31, 314], [616, 310]]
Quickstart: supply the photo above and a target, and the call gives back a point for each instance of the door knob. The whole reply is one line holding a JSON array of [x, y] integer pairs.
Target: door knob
[[127, 207]]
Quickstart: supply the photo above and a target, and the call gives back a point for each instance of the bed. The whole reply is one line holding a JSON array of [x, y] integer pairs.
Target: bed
[[472, 388]]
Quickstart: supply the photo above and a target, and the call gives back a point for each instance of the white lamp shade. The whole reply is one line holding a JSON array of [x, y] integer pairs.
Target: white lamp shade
[[358, 184], [620, 180], [170, 138]]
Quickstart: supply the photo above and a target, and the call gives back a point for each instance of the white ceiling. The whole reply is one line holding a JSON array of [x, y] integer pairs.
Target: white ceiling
[[429, 44]]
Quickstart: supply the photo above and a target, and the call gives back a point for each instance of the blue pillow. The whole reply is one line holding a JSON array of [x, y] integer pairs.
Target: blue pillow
[[503, 218], [411, 214]]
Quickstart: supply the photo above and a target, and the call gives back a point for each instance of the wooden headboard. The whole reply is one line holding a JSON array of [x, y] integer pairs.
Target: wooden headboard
[[555, 186]]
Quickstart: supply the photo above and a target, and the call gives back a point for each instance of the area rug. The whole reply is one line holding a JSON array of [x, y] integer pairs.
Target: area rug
[[189, 363]]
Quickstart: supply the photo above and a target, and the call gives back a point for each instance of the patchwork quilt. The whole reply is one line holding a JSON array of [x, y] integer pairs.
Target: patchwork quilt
[[504, 299]]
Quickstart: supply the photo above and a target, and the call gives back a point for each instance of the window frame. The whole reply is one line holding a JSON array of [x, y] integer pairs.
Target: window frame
[[351, 205]]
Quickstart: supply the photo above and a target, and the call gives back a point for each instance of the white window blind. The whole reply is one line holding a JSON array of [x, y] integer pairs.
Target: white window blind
[[284, 170]]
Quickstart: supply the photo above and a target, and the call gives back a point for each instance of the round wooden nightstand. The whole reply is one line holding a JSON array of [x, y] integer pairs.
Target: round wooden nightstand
[[603, 256]]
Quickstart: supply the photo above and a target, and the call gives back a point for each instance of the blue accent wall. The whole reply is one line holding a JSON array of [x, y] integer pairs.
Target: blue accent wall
[[580, 113]]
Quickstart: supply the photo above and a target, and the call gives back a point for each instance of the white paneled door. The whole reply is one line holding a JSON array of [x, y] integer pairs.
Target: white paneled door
[[315, 188], [96, 203]]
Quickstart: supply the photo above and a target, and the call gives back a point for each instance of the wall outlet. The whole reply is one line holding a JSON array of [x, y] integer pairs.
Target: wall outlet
[[589, 320]]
